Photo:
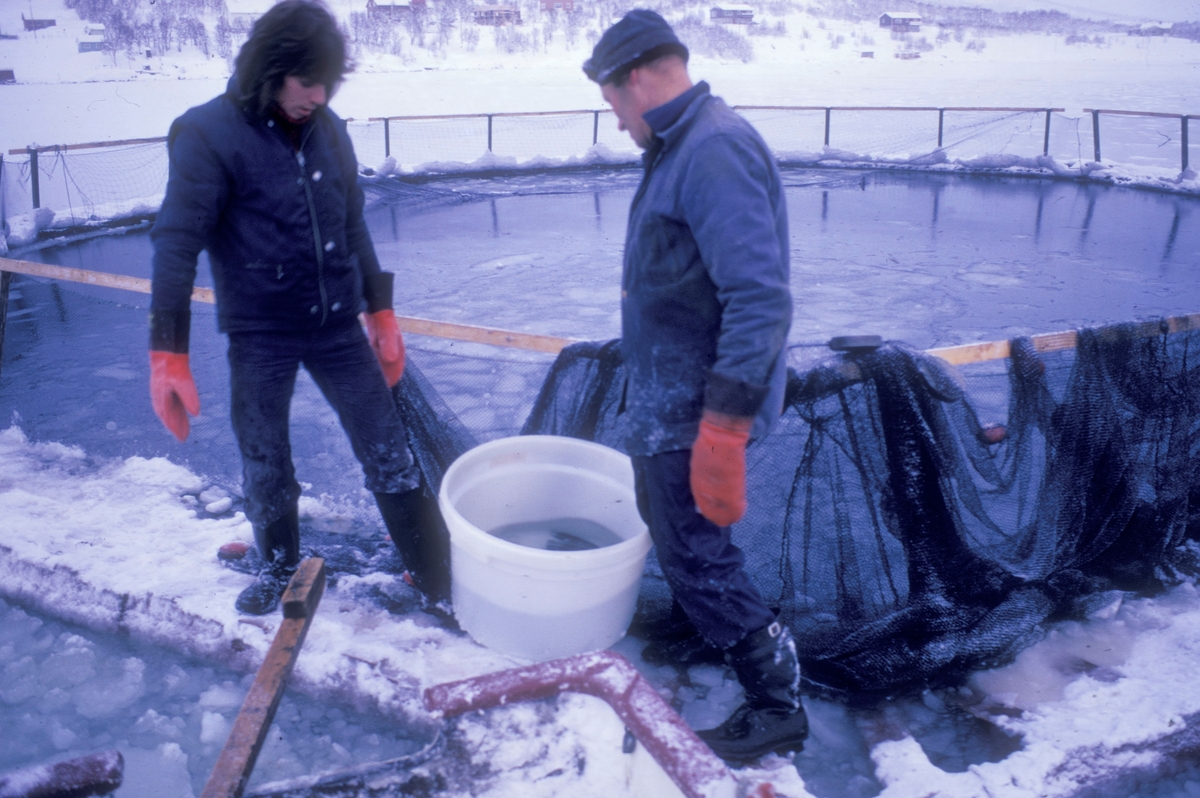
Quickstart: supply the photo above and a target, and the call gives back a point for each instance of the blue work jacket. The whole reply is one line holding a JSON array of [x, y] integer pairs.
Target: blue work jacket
[[284, 228], [705, 300]]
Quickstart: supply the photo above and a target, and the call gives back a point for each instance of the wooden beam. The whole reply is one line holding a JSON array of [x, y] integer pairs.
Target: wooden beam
[[408, 324], [955, 355], [236, 762], [94, 774]]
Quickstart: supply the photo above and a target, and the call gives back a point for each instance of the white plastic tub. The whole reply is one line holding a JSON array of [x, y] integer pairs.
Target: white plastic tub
[[530, 602]]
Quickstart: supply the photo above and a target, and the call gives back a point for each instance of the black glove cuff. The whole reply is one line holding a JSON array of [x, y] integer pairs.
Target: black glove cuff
[[377, 290], [733, 397], [169, 330]]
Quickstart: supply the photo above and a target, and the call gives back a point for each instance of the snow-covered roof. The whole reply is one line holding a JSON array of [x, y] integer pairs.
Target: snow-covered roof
[[901, 15], [734, 7]]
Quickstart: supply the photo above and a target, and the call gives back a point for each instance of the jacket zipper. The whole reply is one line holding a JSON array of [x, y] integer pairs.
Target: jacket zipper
[[316, 228]]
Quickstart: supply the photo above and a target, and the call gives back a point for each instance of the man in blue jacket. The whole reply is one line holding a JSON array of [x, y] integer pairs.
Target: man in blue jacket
[[705, 313], [264, 177]]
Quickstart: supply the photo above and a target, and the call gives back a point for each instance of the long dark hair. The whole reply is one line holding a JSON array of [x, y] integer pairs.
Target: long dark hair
[[296, 37]]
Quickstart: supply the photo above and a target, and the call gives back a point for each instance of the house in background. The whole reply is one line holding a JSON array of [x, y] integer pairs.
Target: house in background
[[1151, 29], [732, 14], [393, 9], [900, 21], [37, 24], [92, 40], [244, 13], [557, 5], [497, 15]]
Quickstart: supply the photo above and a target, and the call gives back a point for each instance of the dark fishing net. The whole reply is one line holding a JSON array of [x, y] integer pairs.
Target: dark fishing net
[[911, 521], [904, 541]]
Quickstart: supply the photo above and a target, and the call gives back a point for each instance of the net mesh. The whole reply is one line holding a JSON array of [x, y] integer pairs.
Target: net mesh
[[87, 186], [905, 540]]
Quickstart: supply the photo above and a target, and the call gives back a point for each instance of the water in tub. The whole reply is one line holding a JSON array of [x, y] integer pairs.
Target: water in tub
[[558, 534]]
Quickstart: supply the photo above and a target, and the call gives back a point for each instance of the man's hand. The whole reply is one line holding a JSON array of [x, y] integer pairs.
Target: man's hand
[[387, 342], [173, 391], [718, 469]]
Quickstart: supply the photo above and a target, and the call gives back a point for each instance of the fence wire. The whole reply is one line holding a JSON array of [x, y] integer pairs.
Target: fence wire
[[93, 184]]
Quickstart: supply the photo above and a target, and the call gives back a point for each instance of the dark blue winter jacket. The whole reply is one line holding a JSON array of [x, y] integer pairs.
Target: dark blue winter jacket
[[705, 300], [284, 229]]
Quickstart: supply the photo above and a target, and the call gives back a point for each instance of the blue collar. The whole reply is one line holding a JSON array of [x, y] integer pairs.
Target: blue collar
[[667, 114]]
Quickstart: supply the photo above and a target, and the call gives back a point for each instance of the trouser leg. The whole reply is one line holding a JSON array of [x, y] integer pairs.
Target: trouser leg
[[702, 566], [345, 369], [262, 375]]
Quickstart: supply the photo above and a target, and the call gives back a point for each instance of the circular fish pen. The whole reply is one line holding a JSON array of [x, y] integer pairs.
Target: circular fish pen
[[1058, 480]]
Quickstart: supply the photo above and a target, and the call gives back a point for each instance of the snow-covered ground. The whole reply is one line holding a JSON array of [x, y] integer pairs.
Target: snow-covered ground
[[124, 544]]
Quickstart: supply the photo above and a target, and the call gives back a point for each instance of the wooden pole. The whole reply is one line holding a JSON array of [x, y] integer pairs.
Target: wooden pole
[[236, 762], [94, 774], [956, 355], [408, 324]]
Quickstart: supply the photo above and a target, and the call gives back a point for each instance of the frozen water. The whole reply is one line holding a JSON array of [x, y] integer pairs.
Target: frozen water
[[66, 692], [928, 258]]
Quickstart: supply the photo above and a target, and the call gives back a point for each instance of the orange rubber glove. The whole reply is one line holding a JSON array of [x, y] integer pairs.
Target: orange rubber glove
[[387, 342], [173, 391], [718, 469]]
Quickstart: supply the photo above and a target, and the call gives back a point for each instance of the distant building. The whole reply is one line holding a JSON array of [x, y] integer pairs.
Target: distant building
[[244, 13], [732, 14], [1151, 29], [7, 76], [497, 15], [37, 24], [901, 21], [92, 40], [868, 53], [907, 55], [393, 9], [557, 5]]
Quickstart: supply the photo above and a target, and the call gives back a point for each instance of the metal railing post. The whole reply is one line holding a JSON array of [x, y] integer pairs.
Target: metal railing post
[[33, 174], [827, 114], [1183, 137], [489, 132], [1046, 140], [941, 125], [387, 137], [596, 126], [1096, 133]]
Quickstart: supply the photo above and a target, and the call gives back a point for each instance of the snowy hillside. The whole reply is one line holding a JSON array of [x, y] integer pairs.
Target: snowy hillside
[[797, 55]]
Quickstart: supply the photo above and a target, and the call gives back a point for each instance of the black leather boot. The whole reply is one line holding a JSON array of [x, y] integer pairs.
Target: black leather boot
[[416, 526], [772, 719], [279, 546]]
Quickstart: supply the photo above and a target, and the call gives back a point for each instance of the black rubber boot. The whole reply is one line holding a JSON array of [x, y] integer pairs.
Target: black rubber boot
[[772, 719], [416, 526], [279, 546]]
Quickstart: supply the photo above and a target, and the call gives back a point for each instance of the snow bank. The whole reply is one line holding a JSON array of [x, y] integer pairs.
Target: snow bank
[[120, 546]]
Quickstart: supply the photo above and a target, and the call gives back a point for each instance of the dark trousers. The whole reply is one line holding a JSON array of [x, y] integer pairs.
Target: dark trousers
[[263, 368], [702, 566]]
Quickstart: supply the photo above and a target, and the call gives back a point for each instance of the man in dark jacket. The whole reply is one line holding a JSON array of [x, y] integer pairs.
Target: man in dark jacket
[[264, 177], [705, 310]]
